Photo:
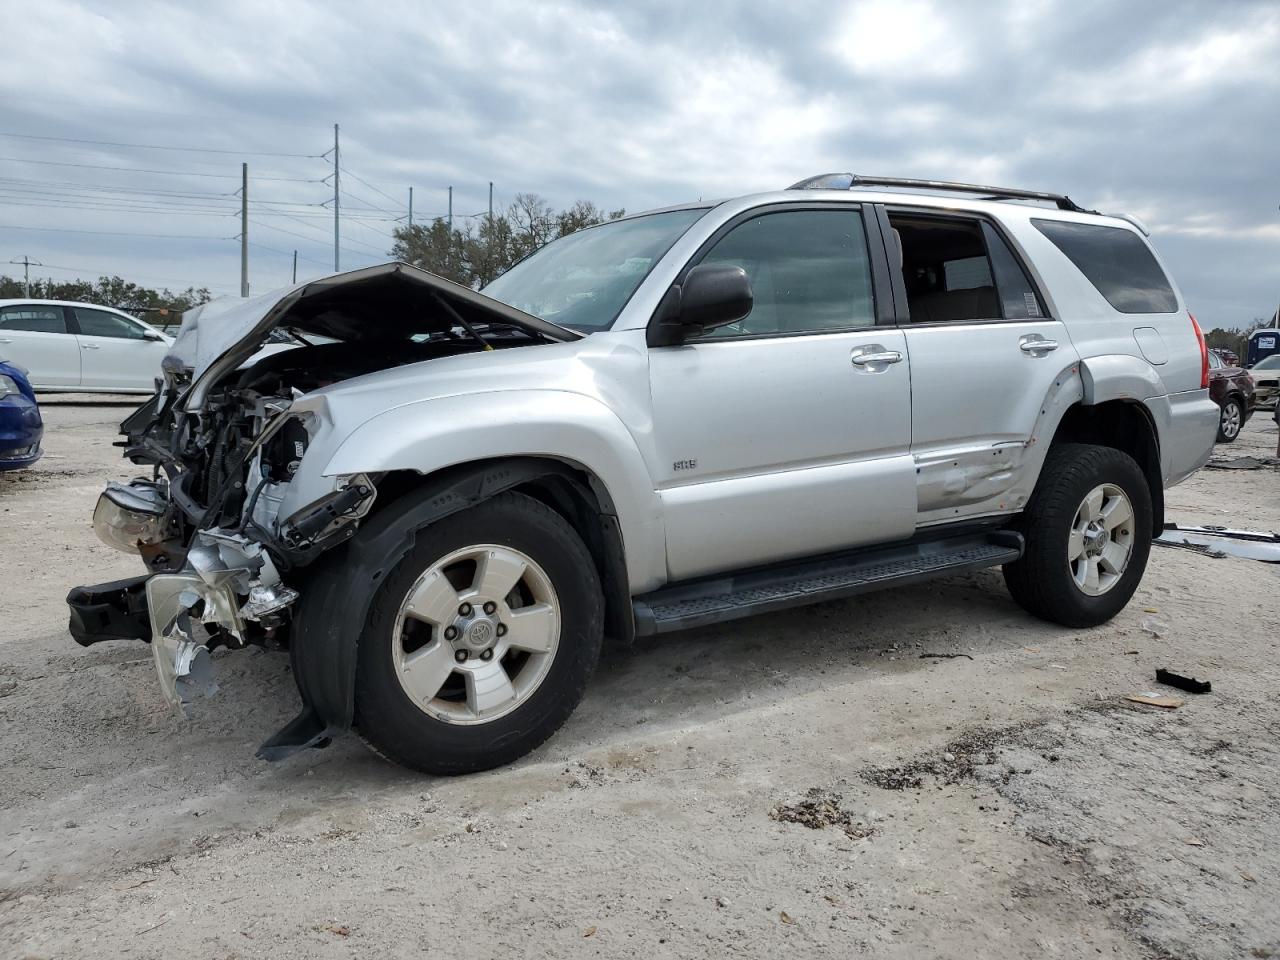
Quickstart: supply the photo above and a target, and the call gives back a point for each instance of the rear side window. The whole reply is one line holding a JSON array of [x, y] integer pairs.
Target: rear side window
[[1117, 262], [33, 319]]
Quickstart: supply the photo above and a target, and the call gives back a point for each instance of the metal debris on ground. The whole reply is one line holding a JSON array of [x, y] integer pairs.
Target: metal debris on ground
[[943, 656], [1218, 541], [818, 809], [1189, 684], [1153, 699]]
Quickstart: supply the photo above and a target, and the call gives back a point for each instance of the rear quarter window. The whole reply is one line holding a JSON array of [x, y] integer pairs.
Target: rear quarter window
[[1117, 262]]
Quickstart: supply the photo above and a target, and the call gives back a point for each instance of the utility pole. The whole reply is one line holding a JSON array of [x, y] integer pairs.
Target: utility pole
[[411, 208], [244, 229], [451, 208], [490, 206], [336, 266], [295, 266], [27, 264]]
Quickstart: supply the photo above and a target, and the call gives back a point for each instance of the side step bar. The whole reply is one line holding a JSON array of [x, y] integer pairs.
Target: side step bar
[[697, 603]]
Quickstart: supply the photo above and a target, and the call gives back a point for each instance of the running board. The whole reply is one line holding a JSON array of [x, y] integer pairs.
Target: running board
[[732, 596]]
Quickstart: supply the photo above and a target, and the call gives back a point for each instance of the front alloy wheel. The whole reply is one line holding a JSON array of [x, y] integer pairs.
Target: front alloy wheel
[[477, 634]]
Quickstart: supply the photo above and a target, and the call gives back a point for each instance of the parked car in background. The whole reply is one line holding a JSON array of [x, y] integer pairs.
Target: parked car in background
[[1232, 389], [1229, 357], [81, 346], [1266, 381], [21, 428]]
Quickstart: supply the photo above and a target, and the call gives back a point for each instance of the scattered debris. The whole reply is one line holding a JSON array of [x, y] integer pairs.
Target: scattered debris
[[1153, 699], [1242, 463], [1157, 628], [589, 932], [819, 809], [785, 917], [943, 656], [339, 931], [722, 902], [1189, 684], [1213, 539], [1193, 842]]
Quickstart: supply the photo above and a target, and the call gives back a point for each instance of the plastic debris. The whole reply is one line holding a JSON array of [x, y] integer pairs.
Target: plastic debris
[[1189, 684], [1153, 699]]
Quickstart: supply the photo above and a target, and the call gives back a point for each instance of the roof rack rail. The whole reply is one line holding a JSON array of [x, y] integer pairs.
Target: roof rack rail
[[846, 181]]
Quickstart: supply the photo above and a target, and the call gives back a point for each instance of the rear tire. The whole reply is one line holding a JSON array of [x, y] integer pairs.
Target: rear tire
[[1088, 536], [449, 692]]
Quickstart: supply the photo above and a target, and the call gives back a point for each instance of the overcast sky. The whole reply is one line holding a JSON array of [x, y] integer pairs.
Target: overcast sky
[[1167, 110]]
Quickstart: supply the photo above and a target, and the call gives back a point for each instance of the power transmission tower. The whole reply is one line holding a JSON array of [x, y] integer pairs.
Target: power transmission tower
[[451, 208], [411, 208], [244, 229], [295, 266], [27, 264]]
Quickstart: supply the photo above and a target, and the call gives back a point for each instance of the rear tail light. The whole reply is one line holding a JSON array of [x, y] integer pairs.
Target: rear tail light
[[1204, 354]]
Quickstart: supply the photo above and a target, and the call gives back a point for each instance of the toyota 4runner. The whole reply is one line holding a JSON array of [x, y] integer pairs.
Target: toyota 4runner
[[443, 501]]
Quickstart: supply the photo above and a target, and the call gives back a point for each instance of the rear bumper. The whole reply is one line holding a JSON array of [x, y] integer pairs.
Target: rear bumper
[[1188, 424]]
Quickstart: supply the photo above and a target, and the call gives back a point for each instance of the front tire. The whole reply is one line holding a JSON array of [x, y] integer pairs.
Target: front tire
[[1088, 536], [481, 640]]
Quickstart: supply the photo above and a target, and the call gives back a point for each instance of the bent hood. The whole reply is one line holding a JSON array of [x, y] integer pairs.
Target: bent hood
[[391, 301]]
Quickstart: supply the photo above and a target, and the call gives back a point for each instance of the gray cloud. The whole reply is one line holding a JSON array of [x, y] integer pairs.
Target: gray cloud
[[1166, 110]]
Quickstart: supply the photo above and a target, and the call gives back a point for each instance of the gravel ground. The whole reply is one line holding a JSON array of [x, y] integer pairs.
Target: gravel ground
[[807, 783]]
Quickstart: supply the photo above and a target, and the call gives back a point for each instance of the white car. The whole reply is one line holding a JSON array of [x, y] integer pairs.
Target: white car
[[81, 347]]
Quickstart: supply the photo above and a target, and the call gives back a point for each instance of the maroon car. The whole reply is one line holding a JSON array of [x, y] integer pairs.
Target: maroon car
[[1232, 389]]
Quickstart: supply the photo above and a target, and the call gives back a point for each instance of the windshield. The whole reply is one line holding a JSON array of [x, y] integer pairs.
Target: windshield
[[1268, 363], [583, 281]]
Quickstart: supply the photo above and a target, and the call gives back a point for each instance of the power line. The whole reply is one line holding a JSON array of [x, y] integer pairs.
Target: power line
[[111, 233], [167, 173], [369, 185], [157, 146], [150, 278]]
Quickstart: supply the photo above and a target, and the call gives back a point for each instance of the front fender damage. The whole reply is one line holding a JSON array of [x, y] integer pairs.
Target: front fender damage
[[335, 605]]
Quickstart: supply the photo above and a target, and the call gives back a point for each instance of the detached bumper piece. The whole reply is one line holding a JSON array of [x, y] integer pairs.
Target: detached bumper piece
[[110, 611]]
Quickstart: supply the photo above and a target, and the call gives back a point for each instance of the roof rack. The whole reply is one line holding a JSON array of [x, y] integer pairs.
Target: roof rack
[[846, 181]]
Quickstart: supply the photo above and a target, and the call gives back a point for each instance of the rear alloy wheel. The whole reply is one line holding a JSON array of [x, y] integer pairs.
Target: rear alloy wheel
[[1231, 421], [481, 640], [1088, 535]]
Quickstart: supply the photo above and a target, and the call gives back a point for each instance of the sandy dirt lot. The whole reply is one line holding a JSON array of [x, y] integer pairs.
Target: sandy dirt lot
[[1001, 801]]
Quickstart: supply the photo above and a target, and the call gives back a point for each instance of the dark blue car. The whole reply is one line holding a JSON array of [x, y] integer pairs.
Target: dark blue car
[[21, 428]]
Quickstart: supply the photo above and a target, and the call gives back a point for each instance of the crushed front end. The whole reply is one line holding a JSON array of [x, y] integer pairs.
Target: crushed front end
[[237, 503]]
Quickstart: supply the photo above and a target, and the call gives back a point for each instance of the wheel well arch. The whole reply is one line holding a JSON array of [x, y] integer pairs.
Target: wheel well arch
[[1124, 425], [570, 489]]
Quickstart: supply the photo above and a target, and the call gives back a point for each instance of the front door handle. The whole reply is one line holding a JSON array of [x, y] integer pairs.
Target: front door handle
[[6, 340], [88, 346], [882, 356], [1035, 344]]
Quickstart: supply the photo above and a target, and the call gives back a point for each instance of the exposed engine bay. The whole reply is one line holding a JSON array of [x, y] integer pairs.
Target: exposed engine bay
[[224, 437]]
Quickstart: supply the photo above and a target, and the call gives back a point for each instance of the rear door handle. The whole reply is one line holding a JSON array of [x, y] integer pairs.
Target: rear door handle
[[88, 346], [6, 341], [1035, 344], [883, 356]]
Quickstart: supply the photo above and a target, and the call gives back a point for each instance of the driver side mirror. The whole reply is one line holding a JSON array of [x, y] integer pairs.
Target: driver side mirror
[[712, 295], [151, 335]]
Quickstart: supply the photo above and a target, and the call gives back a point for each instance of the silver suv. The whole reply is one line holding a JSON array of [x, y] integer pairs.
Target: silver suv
[[443, 501]]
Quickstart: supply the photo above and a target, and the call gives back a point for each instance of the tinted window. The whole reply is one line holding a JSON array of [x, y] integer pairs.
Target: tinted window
[[809, 272], [99, 323], [34, 319], [1018, 298], [1117, 262]]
